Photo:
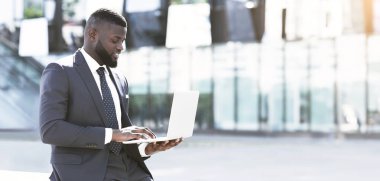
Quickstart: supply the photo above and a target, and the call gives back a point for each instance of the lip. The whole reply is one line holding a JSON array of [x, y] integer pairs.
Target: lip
[[115, 56]]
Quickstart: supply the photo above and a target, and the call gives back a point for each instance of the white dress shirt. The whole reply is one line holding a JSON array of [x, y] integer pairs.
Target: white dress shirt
[[93, 65]]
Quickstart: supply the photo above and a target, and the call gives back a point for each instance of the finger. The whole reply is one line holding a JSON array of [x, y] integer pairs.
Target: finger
[[165, 143], [142, 133], [133, 136], [146, 133], [137, 129], [173, 143], [129, 129], [163, 148], [162, 143], [177, 143], [157, 147], [150, 132]]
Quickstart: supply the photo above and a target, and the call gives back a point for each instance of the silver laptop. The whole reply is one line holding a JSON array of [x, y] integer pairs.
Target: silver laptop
[[182, 117]]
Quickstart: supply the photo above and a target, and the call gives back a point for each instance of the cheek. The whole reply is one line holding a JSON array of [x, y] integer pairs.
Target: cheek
[[109, 47]]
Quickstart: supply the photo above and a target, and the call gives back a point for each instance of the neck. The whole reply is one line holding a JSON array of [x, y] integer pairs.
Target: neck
[[93, 54]]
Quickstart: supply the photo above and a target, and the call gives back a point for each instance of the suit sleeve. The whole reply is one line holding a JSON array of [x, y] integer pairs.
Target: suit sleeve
[[54, 102]]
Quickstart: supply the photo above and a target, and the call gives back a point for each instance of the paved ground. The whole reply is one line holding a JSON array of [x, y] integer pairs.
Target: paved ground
[[216, 157]]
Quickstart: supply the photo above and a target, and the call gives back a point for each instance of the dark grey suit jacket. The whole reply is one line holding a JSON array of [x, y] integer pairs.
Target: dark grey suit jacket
[[72, 120]]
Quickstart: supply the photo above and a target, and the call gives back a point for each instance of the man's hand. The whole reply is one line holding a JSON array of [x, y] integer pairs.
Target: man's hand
[[145, 132], [132, 133], [155, 147]]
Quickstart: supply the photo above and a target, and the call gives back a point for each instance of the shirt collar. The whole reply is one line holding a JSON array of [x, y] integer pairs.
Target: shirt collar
[[91, 62]]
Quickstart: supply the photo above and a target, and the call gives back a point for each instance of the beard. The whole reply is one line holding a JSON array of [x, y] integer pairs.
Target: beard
[[105, 57]]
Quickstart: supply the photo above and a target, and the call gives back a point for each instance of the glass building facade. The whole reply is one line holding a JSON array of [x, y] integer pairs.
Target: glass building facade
[[319, 72], [311, 85]]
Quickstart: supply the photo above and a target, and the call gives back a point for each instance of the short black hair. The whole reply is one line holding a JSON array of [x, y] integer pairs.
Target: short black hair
[[107, 15]]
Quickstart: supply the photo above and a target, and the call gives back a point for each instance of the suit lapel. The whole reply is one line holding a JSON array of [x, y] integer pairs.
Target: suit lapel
[[116, 81], [89, 81]]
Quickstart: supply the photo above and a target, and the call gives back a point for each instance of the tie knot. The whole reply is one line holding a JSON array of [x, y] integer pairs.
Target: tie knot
[[100, 71]]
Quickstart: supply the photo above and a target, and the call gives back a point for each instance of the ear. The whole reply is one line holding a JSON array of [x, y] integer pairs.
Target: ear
[[92, 33]]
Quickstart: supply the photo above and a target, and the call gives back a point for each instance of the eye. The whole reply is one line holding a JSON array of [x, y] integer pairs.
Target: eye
[[114, 40]]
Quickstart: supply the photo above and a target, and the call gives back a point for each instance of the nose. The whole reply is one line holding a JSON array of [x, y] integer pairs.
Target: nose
[[120, 47]]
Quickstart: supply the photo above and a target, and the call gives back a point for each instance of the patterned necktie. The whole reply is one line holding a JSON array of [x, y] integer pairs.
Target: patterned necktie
[[109, 106]]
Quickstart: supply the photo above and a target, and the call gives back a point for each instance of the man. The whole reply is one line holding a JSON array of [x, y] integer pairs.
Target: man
[[84, 110]]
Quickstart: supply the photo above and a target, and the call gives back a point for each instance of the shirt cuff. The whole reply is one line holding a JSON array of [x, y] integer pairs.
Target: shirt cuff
[[142, 147], [108, 135]]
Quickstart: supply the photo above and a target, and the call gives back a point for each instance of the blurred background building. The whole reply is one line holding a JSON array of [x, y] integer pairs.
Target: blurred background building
[[260, 65]]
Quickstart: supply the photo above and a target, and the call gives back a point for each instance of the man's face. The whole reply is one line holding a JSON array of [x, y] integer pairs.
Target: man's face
[[110, 43]]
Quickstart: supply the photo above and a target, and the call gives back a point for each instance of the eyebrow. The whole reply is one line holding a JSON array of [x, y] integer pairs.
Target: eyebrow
[[118, 37]]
